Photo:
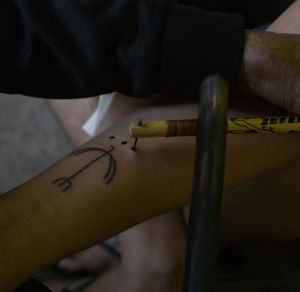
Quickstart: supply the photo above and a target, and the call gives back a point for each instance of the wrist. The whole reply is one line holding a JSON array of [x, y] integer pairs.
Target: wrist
[[251, 68], [270, 68]]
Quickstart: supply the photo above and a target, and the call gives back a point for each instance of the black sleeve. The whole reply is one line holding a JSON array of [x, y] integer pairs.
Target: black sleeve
[[78, 48], [255, 12]]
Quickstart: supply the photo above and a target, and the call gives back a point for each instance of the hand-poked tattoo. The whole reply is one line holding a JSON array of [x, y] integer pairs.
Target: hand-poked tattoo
[[66, 183]]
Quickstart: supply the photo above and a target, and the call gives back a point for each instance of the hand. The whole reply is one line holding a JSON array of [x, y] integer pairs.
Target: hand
[[271, 68]]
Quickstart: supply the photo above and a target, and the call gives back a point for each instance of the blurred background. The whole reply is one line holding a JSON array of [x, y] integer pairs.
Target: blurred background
[[31, 139]]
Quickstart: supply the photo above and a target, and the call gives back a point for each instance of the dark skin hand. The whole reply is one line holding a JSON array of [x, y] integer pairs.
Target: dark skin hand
[[271, 68]]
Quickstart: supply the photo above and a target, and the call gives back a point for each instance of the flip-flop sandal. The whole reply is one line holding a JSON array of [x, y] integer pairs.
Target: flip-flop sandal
[[81, 279], [112, 249], [33, 286], [58, 273], [80, 284]]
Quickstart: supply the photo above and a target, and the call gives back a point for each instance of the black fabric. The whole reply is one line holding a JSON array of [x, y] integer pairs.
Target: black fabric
[[78, 48], [32, 286], [258, 12], [189, 53], [255, 12]]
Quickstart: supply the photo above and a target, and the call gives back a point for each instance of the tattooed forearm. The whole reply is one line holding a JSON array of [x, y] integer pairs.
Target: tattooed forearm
[[66, 183]]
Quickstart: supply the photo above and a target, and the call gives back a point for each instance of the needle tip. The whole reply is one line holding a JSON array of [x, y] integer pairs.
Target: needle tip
[[134, 145]]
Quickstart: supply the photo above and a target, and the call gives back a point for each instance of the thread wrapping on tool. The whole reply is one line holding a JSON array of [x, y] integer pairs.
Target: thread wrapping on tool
[[173, 128], [181, 128]]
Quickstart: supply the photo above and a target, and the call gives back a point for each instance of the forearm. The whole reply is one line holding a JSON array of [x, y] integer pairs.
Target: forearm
[[266, 207], [41, 223], [289, 21]]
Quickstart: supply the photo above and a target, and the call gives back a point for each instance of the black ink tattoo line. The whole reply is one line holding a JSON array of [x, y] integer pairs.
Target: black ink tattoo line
[[109, 175]]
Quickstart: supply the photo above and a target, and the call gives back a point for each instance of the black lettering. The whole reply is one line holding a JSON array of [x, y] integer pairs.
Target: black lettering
[[292, 119], [282, 120]]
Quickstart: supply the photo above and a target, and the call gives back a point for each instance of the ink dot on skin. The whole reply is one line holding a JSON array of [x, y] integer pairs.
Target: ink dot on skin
[[124, 142], [112, 137]]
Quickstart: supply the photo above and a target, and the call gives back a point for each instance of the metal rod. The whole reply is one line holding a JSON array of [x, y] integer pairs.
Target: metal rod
[[202, 246]]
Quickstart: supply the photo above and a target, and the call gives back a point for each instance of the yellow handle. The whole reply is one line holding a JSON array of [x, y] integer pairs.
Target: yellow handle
[[266, 125]]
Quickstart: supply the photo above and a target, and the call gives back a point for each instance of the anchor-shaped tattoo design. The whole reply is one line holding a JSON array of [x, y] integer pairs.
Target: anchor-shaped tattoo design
[[67, 182]]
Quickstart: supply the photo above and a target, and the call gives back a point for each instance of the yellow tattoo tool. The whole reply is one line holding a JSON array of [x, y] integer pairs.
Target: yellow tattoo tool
[[173, 128]]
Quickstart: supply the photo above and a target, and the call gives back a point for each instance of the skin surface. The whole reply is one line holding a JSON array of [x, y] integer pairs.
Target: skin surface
[[84, 107], [153, 252], [39, 219], [271, 68], [289, 21]]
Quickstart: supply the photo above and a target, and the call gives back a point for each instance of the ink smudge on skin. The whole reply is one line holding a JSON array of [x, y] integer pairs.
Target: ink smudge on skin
[[133, 149], [124, 142], [112, 137]]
